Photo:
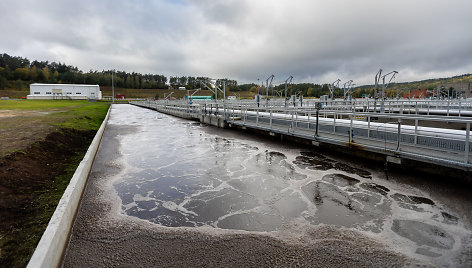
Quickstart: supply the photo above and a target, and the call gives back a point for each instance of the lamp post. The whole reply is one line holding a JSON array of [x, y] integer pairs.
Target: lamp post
[[257, 86], [112, 87]]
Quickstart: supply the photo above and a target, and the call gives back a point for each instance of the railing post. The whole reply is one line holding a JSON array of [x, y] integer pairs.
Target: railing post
[[448, 101], [308, 123], [334, 122], [292, 120], [350, 128], [270, 119], [399, 133], [416, 131], [368, 126], [466, 147], [257, 118]]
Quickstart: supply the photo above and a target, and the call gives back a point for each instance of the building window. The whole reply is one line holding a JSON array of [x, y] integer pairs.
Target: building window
[[68, 93], [78, 93], [48, 92], [37, 93]]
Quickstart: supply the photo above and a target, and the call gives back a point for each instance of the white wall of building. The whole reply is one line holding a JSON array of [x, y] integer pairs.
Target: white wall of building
[[64, 91]]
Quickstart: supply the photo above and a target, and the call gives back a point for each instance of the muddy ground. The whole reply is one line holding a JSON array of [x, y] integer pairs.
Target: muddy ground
[[32, 181]]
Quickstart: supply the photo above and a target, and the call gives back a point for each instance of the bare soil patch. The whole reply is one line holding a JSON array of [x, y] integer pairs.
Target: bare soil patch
[[19, 129], [31, 183]]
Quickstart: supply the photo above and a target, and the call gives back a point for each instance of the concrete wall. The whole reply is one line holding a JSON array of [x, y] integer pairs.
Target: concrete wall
[[209, 119], [213, 120], [49, 251]]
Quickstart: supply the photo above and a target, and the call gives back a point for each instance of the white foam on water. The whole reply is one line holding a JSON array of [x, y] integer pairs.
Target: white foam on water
[[151, 131]]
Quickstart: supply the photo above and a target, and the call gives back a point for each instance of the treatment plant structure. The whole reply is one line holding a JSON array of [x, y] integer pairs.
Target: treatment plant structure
[[64, 92]]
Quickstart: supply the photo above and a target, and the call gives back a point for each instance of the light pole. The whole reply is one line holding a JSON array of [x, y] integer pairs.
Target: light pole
[[112, 87], [384, 87], [257, 86]]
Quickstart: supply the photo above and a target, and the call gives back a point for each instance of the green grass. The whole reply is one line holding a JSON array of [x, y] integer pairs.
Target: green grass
[[84, 117], [41, 104], [78, 114]]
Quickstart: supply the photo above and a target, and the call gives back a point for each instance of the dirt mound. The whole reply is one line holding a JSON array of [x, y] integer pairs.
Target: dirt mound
[[31, 183]]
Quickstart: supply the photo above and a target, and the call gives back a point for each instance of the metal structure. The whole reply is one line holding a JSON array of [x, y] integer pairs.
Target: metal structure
[[168, 96], [287, 82], [214, 88], [402, 133], [332, 87], [347, 89], [384, 87], [377, 80], [442, 93], [268, 85]]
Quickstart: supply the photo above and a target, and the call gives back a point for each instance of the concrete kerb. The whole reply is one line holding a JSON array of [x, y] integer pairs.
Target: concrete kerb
[[50, 248]]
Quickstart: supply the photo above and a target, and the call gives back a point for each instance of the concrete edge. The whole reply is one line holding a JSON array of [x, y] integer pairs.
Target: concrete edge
[[49, 251]]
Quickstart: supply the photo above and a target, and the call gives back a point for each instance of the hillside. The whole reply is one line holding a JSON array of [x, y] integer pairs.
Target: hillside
[[460, 82]]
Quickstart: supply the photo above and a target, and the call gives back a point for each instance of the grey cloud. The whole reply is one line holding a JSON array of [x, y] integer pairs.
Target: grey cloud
[[314, 41]]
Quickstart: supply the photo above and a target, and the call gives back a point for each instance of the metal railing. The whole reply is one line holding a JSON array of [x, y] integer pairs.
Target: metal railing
[[421, 137]]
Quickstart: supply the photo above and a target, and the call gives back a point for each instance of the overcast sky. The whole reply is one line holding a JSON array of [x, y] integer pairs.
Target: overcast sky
[[314, 40]]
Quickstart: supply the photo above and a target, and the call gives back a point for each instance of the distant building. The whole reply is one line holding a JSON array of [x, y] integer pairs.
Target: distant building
[[64, 92]]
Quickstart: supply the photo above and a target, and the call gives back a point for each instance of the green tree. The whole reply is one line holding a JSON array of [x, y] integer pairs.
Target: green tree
[[3, 82], [33, 74], [46, 73], [55, 75], [19, 84], [136, 82], [129, 82], [309, 92], [21, 73]]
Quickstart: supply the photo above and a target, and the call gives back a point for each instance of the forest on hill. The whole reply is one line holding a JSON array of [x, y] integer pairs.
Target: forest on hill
[[16, 73]]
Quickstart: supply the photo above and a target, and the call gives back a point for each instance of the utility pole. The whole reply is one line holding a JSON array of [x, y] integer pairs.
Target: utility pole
[[112, 87], [257, 86], [267, 88]]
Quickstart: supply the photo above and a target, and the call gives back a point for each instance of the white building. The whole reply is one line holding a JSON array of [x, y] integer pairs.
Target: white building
[[64, 91]]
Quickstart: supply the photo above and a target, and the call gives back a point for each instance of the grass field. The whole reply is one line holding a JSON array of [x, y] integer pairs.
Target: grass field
[[26, 121], [43, 141]]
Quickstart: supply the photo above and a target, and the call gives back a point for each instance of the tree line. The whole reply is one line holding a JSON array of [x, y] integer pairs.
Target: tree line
[[18, 72]]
